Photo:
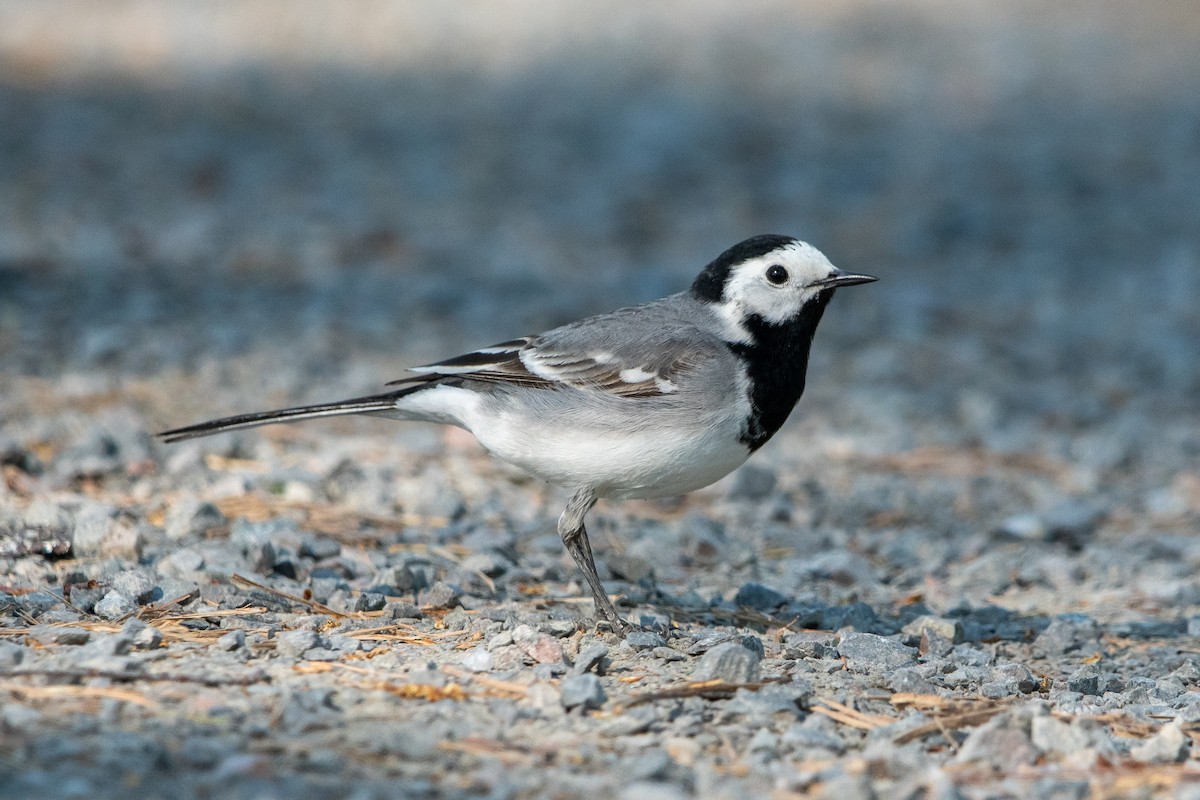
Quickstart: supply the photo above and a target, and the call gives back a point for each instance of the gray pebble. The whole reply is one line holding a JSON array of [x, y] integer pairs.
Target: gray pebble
[[949, 629], [908, 679], [1068, 633], [118, 665], [99, 532], [234, 640], [653, 764], [581, 690], [561, 628], [1052, 735], [115, 605], [143, 636], [1073, 522], [180, 564], [1170, 744], [668, 654], [591, 659], [866, 651], [319, 548], [1001, 743], [398, 610], [67, 636], [10, 654], [643, 640], [752, 482], [478, 659], [630, 567], [135, 584], [85, 598], [370, 601], [816, 731], [191, 519], [295, 644], [651, 790], [759, 597], [808, 644], [729, 662], [1085, 680], [440, 595]]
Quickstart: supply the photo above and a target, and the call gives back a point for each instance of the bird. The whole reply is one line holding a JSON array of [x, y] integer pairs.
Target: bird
[[652, 400]]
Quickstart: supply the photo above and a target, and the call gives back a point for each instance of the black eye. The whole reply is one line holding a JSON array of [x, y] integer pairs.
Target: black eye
[[777, 275]]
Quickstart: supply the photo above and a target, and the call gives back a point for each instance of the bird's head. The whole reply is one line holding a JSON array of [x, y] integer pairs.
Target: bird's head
[[771, 278]]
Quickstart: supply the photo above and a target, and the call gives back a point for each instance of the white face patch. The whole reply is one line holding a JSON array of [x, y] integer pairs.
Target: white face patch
[[748, 291]]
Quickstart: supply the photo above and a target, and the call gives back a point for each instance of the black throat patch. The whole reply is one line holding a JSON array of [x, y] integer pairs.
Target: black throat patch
[[776, 362]]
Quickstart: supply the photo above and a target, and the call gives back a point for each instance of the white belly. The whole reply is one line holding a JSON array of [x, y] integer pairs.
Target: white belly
[[654, 454], [618, 463]]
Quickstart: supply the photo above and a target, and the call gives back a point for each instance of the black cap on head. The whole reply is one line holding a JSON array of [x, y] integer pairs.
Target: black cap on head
[[710, 283]]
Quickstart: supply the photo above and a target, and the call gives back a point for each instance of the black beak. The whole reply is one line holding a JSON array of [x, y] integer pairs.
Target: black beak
[[839, 278]]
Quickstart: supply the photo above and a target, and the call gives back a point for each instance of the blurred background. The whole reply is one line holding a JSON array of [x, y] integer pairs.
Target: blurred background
[[222, 202]]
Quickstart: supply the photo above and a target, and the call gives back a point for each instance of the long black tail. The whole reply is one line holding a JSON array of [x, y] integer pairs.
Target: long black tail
[[355, 405]]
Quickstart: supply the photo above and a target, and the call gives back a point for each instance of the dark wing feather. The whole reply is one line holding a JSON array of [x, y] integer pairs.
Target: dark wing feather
[[543, 362]]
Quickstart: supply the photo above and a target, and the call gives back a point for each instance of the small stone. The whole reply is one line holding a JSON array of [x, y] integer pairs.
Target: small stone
[[651, 764], [543, 695], [1052, 735], [85, 598], [1085, 680], [591, 659], [296, 643], [115, 605], [1073, 522], [1000, 743], [643, 640], [100, 532], [934, 644], [752, 482], [651, 790], [730, 663], [68, 636], [398, 610], [441, 595], [10, 655], [908, 679], [629, 567], [191, 519], [582, 690], [562, 628], [369, 601], [541, 647], [948, 629], [759, 597], [113, 644], [1018, 675], [668, 654], [319, 548], [143, 636], [136, 585], [808, 644], [763, 741], [1169, 745], [182, 563], [867, 651], [478, 659], [234, 640], [1067, 633], [116, 665], [1023, 526]]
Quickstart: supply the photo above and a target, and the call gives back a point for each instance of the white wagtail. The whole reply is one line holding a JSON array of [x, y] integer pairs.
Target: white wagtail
[[648, 401]]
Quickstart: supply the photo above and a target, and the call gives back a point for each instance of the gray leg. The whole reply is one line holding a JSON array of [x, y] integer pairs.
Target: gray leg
[[574, 536]]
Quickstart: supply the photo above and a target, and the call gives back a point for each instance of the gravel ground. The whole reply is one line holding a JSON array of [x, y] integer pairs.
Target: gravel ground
[[966, 568]]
